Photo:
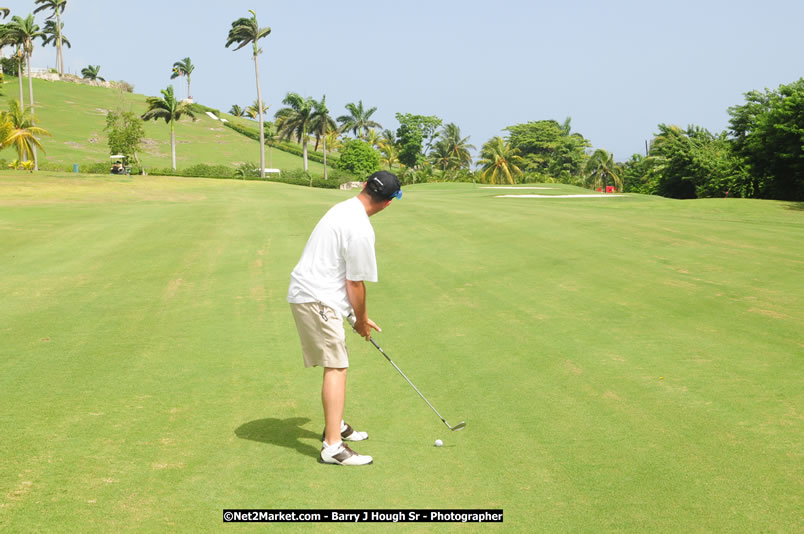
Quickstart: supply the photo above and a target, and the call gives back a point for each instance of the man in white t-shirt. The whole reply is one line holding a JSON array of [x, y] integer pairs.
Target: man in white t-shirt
[[326, 286]]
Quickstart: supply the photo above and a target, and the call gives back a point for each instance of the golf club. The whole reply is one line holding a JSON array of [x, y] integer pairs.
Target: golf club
[[459, 426]]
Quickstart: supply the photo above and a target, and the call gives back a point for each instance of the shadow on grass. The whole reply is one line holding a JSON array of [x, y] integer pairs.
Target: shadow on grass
[[282, 433], [798, 206]]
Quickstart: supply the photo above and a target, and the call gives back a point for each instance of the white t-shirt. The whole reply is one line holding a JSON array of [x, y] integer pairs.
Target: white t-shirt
[[340, 248]]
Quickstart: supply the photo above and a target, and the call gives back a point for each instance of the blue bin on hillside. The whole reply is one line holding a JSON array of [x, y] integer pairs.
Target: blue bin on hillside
[[75, 167]]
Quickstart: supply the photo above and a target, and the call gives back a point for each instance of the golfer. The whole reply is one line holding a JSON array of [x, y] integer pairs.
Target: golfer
[[326, 286]]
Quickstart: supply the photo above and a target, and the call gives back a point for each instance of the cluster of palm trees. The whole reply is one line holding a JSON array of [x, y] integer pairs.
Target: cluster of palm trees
[[244, 31], [306, 117], [249, 111], [501, 163], [21, 33]]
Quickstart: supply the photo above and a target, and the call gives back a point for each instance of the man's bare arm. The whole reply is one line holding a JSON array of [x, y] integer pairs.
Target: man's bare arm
[[357, 298]]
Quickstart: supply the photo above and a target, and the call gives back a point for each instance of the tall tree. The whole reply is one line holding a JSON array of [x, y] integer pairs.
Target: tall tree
[[17, 129], [184, 67], [295, 120], [768, 140], [169, 109], [90, 72], [321, 125], [693, 163], [499, 161], [415, 136], [358, 120], [125, 133], [57, 8], [442, 158], [244, 31], [26, 30], [549, 149], [52, 36], [601, 168], [457, 148]]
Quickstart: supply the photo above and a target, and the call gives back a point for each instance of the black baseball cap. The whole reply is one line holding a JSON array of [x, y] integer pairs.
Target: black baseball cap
[[384, 185]]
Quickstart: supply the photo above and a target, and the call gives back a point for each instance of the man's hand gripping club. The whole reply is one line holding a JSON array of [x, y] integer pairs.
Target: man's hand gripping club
[[359, 318]]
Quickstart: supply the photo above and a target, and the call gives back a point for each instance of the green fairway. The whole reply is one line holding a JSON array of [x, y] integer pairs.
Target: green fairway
[[75, 115], [628, 364]]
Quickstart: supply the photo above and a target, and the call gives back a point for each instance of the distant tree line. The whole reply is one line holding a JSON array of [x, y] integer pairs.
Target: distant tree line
[[759, 156]]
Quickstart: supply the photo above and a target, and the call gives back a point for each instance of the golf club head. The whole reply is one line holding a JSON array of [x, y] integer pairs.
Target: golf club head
[[459, 426]]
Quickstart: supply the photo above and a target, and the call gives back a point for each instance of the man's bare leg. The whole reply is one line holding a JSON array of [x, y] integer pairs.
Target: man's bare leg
[[333, 397]]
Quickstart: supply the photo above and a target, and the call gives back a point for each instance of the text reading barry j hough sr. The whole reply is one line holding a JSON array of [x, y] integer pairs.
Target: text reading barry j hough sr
[[362, 516]]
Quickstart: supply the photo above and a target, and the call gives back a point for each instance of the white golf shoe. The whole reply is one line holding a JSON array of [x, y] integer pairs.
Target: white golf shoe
[[343, 455], [349, 434]]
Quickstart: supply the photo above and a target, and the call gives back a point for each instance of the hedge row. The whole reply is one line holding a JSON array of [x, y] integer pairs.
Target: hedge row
[[283, 146]]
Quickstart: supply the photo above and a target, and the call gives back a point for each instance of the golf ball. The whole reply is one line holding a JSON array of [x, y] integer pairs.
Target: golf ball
[[439, 443]]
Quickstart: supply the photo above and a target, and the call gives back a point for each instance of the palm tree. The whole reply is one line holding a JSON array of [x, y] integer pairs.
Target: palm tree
[[334, 142], [499, 161], [17, 129], [52, 35], [295, 120], [169, 109], [184, 67], [387, 137], [358, 119], [4, 12], [90, 72], [25, 31], [389, 155], [245, 31], [601, 167], [456, 146], [57, 7], [321, 125], [389, 152], [372, 137], [252, 110], [237, 111], [442, 158]]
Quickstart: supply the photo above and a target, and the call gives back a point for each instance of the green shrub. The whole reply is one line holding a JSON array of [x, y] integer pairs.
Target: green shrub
[[201, 170], [359, 158], [95, 168]]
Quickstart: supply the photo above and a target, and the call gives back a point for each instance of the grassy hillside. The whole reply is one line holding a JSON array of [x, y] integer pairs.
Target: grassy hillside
[[628, 364], [76, 115]]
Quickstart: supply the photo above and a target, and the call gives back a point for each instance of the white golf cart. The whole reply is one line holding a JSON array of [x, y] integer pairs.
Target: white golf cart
[[119, 166]]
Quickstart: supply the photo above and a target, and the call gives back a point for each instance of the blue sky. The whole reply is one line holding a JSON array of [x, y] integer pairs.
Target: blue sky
[[618, 68]]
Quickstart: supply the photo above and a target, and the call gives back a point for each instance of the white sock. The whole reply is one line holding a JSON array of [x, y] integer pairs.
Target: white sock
[[343, 425], [332, 448]]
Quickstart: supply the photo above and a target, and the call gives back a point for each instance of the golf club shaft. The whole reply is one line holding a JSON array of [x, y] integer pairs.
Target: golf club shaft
[[408, 380], [459, 426]]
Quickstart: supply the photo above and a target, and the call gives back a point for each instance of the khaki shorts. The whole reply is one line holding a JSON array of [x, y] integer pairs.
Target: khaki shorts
[[322, 336]]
